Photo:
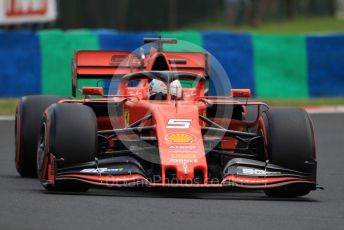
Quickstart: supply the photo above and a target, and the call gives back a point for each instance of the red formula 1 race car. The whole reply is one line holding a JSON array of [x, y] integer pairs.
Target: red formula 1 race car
[[185, 139]]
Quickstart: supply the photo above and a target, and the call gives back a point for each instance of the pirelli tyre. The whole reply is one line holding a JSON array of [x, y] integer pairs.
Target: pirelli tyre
[[28, 119], [290, 144], [69, 132]]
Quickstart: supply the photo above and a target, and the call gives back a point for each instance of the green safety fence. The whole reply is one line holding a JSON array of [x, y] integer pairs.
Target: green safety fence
[[280, 64], [57, 50], [273, 66]]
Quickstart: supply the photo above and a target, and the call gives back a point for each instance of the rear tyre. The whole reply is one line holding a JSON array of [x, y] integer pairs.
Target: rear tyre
[[290, 144], [27, 125], [69, 132]]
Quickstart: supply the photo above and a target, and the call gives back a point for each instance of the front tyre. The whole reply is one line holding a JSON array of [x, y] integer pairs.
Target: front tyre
[[69, 133], [290, 143]]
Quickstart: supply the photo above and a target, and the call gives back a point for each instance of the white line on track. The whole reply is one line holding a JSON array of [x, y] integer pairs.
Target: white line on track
[[325, 109], [6, 118]]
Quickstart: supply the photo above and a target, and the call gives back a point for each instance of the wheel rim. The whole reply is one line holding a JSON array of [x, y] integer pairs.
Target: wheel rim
[[41, 149]]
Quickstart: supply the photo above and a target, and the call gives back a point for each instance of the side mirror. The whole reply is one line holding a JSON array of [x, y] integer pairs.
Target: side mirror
[[93, 91], [240, 92]]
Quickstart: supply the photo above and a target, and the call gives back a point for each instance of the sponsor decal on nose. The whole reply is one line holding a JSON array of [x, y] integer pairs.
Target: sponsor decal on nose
[[180, 138]]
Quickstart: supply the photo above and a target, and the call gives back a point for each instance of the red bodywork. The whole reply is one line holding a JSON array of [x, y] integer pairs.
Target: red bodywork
[[177, 124]]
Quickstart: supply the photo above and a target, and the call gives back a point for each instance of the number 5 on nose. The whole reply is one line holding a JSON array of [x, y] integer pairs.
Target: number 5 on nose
[[178, 123]]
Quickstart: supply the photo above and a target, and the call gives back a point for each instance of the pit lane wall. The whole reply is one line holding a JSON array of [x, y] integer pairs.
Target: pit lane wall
[[278, 66]]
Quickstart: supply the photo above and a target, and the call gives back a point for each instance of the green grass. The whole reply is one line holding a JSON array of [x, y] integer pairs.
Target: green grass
[[303, 102], [295, 26], [8, 106]]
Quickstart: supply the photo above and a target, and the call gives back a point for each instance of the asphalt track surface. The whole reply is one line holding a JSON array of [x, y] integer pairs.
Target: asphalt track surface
[[25, 205]]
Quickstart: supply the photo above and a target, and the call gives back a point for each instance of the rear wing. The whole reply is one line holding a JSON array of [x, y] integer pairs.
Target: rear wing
[[103, 65], [192, 62], [116, 64]]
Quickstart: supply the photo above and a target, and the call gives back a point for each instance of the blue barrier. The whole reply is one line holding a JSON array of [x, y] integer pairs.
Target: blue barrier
[[20, 68], [21, 64], [326, 65], [234, 51]]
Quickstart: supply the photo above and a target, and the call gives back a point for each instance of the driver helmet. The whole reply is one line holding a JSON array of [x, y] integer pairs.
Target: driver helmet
[[157, 86]]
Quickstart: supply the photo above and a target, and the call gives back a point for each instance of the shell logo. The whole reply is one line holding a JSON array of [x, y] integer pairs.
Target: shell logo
[[180, 138]]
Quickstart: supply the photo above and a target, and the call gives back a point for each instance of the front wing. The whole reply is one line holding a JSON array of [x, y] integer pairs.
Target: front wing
[[127, 172]]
